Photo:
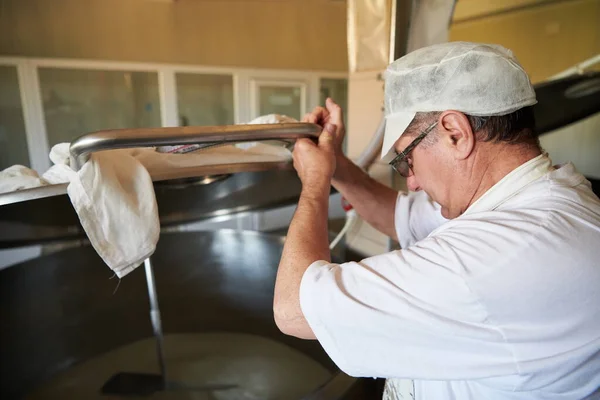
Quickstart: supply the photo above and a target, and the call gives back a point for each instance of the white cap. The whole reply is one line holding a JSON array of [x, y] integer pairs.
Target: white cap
[[473, 78]]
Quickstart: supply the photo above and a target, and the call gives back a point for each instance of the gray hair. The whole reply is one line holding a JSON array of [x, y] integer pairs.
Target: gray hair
[[517, 127]]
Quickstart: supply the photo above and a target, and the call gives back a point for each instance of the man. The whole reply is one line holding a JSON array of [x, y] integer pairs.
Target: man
[[496, 298]]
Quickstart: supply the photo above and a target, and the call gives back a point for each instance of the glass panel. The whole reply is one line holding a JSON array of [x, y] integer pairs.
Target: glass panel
[[285, 100], [205, 99], [337, 89], [81, 101], [13, 142]]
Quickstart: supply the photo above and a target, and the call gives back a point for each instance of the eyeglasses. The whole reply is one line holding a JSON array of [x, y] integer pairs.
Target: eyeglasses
[[399, 163]]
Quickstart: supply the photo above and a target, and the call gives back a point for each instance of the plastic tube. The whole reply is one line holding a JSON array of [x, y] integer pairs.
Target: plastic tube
[[364, 161], [351, 217], [371, 152], [577, 69]]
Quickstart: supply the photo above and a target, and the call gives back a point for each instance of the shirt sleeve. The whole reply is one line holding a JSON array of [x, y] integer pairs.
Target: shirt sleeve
[[404, 314], [415, 217]]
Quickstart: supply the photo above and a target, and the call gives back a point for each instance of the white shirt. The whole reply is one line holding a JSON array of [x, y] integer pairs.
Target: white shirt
[[502, 302]]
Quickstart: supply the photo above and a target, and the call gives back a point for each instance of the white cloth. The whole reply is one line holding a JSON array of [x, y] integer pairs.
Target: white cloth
[[60, 154], [272, 119], [114, 198], [502, 302], [19, 177], [113, 193], [266, 119], [60, 172]]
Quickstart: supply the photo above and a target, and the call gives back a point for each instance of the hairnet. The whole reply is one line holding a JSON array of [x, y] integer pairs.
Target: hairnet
[[474, 78]]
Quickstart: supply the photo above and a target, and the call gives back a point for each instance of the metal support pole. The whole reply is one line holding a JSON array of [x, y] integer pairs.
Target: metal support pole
[[156, 320], [401, 13]]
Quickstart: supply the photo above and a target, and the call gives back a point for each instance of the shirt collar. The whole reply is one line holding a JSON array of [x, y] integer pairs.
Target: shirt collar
[[512, 183]]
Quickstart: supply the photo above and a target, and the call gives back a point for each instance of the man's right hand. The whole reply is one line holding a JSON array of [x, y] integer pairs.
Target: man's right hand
[[330, 114]]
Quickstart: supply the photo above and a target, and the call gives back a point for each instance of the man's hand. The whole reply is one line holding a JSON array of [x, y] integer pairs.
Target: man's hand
[[331, 114], [373, 201], [315, 163], [307, 239]]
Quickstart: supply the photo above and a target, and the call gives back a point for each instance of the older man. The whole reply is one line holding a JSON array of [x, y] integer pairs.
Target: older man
[[496, 291]]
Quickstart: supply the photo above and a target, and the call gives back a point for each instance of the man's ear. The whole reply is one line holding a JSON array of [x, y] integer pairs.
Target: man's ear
[[456, 132]]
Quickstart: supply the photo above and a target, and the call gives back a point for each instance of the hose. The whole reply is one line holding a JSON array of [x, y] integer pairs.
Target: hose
[[364, 161]]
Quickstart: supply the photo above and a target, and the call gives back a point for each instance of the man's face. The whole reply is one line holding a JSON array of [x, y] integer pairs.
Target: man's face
[[432, 171]]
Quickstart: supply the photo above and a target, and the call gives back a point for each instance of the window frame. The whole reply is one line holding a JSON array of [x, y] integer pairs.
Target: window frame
[[246, 81]]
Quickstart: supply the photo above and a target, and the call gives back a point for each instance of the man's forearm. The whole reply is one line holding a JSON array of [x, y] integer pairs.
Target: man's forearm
[[372, 200], [307, 241]]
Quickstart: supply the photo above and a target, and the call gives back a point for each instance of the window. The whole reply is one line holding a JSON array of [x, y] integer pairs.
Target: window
[[48, 101], [205, 99], [79, 101], [278, 97], [13, 142], [337, 89]]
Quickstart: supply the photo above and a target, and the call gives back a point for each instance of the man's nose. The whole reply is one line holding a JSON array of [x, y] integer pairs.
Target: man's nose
[[412, 184]]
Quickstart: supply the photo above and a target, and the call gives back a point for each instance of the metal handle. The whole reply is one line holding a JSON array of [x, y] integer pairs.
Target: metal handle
[[84, 146]]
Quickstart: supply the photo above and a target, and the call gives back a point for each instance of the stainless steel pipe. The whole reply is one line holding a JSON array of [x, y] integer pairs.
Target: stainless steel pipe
[[84, 146]]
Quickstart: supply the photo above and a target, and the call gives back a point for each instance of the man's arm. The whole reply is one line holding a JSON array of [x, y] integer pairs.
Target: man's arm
[[307, 242], [307, 239], [373, 201]]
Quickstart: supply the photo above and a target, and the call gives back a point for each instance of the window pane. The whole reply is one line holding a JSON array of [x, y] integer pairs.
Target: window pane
[[81, 101], [283, 100], [205, 99], [13, 142], [337, 89]]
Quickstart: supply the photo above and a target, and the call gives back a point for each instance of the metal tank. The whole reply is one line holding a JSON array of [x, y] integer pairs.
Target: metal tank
[[69, 330]]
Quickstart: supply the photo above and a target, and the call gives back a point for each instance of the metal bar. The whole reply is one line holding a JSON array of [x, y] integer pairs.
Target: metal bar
[[32, 194], [163, 174], [156, 320], [82, 148]]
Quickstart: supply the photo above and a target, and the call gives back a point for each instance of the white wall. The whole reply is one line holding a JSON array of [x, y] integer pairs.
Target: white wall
[[365, 110], [579, 143]]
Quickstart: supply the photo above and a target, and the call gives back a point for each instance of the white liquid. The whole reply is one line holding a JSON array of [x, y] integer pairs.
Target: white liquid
[[260, 367]]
